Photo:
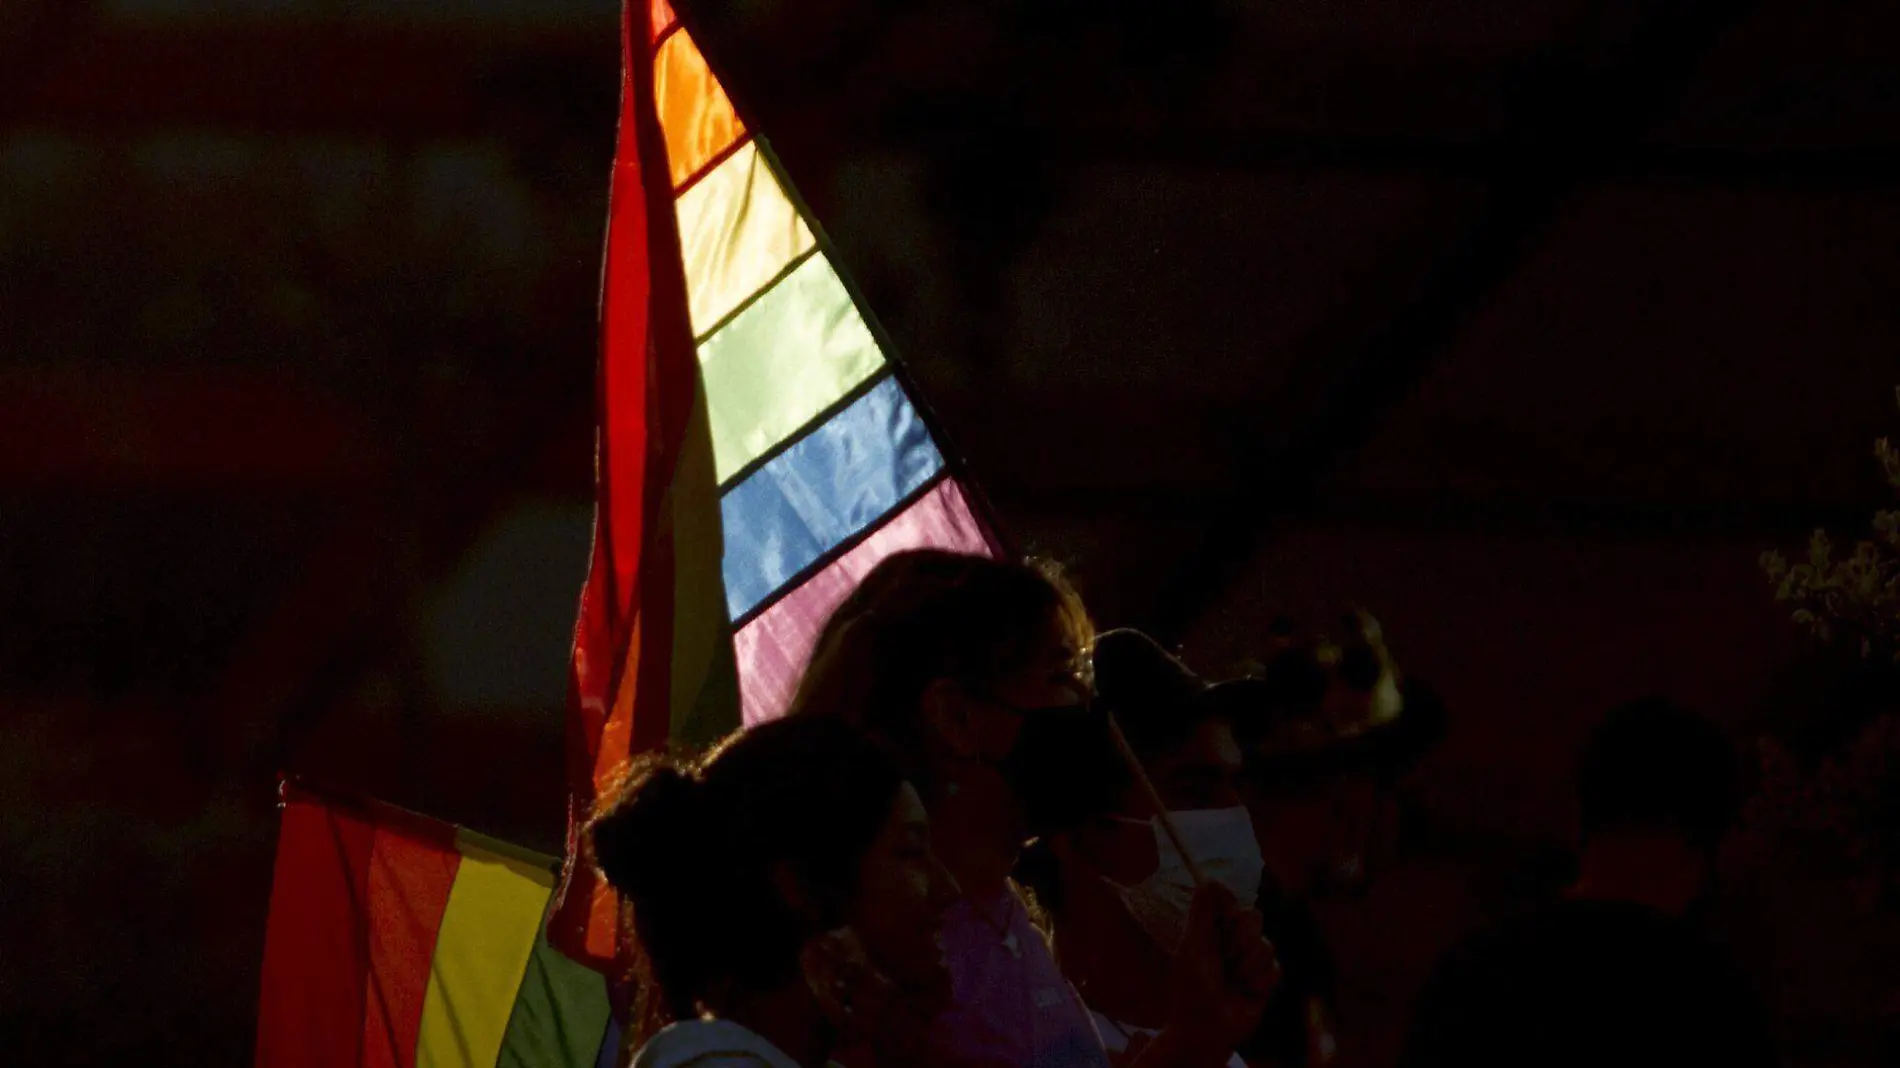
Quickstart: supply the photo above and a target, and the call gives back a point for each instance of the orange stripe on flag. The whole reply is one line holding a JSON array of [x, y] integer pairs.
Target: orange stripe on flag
[[616, 735], [660, 18], [694, 112]]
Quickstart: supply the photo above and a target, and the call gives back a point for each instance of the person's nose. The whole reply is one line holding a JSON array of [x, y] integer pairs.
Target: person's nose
[[1227, 788], [944, 890]]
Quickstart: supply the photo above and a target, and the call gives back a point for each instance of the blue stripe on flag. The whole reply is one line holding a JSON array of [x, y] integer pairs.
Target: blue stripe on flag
[[837, 480]]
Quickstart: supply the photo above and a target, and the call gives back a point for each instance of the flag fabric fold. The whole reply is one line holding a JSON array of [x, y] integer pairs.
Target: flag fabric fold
[[398, 941], [758, 450]]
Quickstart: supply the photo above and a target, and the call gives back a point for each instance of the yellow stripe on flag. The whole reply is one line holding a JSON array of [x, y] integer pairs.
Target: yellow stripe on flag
[[488, 932], [738, 231], [705, 697]]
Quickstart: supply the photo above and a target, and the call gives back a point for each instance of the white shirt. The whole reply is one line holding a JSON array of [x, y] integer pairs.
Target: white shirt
[[710, 1044], [1116, 1037]]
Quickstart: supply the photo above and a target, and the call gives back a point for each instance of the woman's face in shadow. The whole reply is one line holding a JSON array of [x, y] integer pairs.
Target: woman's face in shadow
[[1317, 833], [901, 894]]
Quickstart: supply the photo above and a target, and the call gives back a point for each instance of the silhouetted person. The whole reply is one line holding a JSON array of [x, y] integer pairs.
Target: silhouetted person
[[1329, 733], [785, 900], [1616, 973], [973, 673], [1116, 890]]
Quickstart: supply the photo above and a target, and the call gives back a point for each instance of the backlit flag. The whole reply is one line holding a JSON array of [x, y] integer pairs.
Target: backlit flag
[[398, 941], [758, 451]]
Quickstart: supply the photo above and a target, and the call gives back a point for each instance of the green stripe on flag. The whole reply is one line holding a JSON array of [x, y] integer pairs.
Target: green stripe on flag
[[560, 1015], [781, 362]]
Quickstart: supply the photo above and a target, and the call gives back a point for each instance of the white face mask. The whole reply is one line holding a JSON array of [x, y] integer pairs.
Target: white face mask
[[1224, 847]]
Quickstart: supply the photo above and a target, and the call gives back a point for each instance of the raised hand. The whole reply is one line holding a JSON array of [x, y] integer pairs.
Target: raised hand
[[1223, 973]]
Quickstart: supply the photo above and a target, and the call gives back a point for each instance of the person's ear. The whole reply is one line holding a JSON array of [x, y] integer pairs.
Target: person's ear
[[797, 897], [948, 714]]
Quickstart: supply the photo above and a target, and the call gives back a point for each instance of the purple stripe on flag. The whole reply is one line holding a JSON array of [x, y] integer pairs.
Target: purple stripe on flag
[[773, 648]]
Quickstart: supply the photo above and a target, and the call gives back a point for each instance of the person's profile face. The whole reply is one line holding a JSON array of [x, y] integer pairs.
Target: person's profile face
[[902, 891], [1053, 675], [1318, 829]]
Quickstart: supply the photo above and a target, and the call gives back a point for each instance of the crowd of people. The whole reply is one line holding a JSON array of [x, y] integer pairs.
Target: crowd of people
[[985, 835]]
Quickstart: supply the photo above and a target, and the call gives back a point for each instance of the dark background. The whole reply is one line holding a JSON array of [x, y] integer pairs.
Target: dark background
[[1526, 323]]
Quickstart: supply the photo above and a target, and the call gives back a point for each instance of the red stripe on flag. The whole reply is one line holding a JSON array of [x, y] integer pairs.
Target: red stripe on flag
[[620, 682], [408, 891], [316, 960], [605, 628], [674, 366]]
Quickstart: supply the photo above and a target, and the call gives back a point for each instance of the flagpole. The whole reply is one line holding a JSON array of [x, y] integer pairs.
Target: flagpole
[[1153, 795]]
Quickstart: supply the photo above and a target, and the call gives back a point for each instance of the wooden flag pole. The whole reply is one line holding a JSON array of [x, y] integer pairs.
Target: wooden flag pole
[[1154, 798]]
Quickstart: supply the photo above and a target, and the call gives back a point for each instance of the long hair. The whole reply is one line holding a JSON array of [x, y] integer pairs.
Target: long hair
[[925, 615], [693, 847]]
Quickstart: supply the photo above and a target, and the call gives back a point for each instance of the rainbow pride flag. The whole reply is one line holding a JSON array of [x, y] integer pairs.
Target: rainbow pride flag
[[758, 451], [398, 941]]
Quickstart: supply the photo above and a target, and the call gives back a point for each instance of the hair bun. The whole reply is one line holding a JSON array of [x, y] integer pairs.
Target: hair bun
[[643, 827]]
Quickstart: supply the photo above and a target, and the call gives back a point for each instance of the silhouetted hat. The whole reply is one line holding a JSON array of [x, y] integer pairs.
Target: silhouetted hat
[[1151, 693], [1315, 707]]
